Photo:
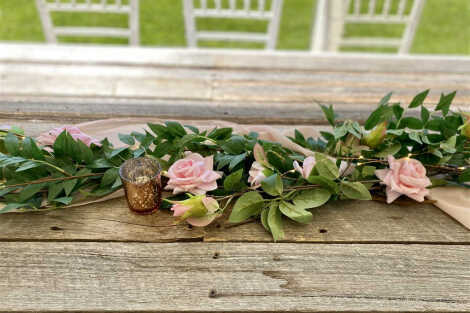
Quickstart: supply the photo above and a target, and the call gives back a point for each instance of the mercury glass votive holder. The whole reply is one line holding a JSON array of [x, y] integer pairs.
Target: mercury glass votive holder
[[141, 179]]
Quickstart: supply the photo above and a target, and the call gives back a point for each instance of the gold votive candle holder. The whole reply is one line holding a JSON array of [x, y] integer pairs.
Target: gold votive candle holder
[[141, 179]]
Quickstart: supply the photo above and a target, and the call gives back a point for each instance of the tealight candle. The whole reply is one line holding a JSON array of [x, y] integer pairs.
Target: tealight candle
[[142, 184]]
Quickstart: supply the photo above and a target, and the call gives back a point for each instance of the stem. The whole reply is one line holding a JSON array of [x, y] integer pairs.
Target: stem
[[47, 180], [53, 166]]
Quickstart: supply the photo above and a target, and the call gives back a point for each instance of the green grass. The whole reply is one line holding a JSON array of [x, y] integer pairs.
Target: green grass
[[443, 29]]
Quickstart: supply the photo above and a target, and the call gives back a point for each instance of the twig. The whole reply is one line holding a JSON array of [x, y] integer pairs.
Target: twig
[[47, 180]]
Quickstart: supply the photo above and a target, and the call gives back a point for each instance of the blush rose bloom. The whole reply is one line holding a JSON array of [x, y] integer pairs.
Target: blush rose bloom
[[48, 139], [404, 177], [309, 164], [256, 174], [192, 174], [198, 211], [306, 167]]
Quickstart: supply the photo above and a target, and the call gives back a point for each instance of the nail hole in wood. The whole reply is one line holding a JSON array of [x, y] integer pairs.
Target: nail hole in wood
[[55, 228], [323, 231], [218, 225], [212, 293], [216, 255]]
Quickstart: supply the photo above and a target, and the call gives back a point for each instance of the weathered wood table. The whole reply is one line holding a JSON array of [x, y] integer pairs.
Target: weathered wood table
[[355, 256]]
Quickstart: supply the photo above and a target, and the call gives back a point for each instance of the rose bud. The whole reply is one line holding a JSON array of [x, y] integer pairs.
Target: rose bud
[[376, 136], [197, 210]]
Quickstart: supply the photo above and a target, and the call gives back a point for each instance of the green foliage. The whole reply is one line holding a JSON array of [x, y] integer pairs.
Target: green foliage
[[248, 205], [37, 178]]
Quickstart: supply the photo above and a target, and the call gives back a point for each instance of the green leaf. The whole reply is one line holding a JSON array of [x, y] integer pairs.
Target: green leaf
[[101, 163], [275, 221], [368, 171], [234, 182], [355, 190], [176, 129], [312, 198], [117, 183], [465, 176], [192, 128], [411, 122], [339, 132], [160, 130], [29, 191], [415, 137], [54, 190], [69, 185], [64, 200], [272, 185], [27, 165], [235, 160], [386, 99], [398, 110], [220, 133], [12, 206], [248, 205], [109, 177], [425, 114], [86, 154], [31, 150], [418, 99], [12, 144], [382, 113], [127, 139], [235, 145], [444, 102], [449, 145], [391, 150], [324, 182], [264, 219], [329, 114], [298, 214], [326, 167], [116, 152]]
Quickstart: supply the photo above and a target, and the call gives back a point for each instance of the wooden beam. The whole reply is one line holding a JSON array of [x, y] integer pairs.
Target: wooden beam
[[196, 277]]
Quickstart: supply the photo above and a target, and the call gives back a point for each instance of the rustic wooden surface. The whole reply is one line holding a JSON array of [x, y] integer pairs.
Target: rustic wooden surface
[[281, 87], [355, 256], [201, 277]]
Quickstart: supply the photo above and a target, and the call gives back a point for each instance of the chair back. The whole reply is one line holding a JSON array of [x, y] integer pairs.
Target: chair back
[[130, 8], [333, 15], [233, 9]]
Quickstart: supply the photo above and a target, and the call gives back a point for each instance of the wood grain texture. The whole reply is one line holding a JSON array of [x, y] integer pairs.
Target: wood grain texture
[[198, 277], [348, 221], [90, 82]]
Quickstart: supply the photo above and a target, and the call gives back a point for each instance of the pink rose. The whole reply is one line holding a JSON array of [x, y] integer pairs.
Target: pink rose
[[309, 164], [256, 174], [48, 139], [306, 168], [198, 211], [405, 177], [192, 174]]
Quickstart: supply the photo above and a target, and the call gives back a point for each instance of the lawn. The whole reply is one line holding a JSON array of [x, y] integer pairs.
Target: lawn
[[443, 29]]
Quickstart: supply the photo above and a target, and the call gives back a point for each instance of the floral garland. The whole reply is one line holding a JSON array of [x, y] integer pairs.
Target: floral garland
[[391, 155]]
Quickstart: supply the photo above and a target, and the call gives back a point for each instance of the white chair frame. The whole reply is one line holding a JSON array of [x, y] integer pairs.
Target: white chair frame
[[52, 32], [273, 16], [332, 15]]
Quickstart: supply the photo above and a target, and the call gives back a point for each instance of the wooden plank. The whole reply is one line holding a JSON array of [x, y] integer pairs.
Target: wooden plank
[[337, 222], [105, 221], [197, 277], [220, 58], [356, 221]]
